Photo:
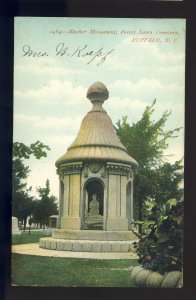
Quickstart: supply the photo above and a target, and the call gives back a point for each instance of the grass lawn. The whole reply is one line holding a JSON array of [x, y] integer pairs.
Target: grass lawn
[[26, 238], [28, 270]]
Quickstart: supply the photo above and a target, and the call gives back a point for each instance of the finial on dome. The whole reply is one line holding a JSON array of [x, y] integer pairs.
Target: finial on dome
[[97, 92]]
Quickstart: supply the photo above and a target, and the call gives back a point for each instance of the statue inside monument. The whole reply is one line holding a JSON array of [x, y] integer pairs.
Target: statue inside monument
[[94, 206], [93, 219]]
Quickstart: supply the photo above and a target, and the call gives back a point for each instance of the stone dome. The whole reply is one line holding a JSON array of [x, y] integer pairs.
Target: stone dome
[[96, 139]]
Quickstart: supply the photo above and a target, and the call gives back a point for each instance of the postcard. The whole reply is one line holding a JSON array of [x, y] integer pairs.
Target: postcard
[[98, 150]]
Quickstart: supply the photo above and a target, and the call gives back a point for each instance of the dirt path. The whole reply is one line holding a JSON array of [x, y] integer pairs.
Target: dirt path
[[33, 249]]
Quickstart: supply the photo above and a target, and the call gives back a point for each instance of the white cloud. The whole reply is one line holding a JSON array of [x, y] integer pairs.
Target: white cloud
[[49, 122], [40, 174], [146, 58], [128, 86], [49, 67], [126, 102], [175, 152], [60, 143], [53, 92], [145, 89], [24, 119], [59, 123], [172, 69]]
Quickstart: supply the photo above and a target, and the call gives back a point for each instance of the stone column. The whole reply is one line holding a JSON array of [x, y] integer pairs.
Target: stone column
[[117, 220], [123, 197], [66, 195], [131, 226], [72, 198], [71, 219], [105, 208], [61, 202]]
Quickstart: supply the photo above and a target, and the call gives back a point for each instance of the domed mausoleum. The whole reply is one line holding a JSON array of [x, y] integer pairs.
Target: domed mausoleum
[[96, 185]]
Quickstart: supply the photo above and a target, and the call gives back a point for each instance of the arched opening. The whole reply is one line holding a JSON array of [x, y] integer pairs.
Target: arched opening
[[94, 204], [95, 187]]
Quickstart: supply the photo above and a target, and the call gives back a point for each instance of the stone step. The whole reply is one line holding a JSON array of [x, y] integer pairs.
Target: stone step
[[85, 245], [94, 235], [94, 226]]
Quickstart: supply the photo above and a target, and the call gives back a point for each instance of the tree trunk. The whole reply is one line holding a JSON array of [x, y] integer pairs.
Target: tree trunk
[[24, 224]]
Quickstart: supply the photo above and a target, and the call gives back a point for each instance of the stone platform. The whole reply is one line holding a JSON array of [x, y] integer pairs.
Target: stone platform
[[97, 235], [34, 249], [89, 241], [85, 245]]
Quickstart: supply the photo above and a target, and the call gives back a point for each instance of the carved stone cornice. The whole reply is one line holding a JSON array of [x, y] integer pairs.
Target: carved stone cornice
[[119, 169], [95, 167], [68, 169]]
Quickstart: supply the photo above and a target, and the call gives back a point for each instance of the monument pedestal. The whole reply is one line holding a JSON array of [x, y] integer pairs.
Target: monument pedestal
[[117, 224], [93, 222], [89, 240], [71, 223]]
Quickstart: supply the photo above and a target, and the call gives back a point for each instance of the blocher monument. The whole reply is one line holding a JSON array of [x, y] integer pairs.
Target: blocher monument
[[96, 186]]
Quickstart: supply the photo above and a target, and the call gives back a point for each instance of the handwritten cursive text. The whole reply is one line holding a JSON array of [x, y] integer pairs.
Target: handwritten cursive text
[[82, 51], [29, 52]]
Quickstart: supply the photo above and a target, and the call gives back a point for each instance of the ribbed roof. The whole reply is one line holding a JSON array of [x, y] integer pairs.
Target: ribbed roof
[[97, 139]]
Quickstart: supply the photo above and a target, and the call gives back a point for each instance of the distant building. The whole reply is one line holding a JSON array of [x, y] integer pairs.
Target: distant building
[[53, 221]]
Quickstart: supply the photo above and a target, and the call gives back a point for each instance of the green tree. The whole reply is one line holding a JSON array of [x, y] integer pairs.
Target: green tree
[[22, 206], [20, 153], [146, 140], [45, 206], [21, 201]]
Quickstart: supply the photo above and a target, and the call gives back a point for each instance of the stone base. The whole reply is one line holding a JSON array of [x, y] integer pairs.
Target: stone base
[[119, 224], [89, 240], [93, 223], [85, 245], [70, 223], [94, 235]]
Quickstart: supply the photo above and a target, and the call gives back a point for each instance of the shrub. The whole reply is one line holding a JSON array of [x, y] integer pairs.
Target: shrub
[[161, 249]]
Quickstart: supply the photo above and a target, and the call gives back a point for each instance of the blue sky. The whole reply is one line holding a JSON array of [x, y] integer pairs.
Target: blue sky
[[144, 60]]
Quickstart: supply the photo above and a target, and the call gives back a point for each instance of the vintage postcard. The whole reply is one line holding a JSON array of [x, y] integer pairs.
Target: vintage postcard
[[98, 152]]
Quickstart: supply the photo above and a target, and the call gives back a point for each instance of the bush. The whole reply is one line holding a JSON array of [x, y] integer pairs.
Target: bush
[[161, 249]]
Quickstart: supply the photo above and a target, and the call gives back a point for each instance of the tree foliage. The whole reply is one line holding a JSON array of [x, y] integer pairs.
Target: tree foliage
[[22, 203], [21, 152], [22, 206], [45, 206], [146, 140]]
